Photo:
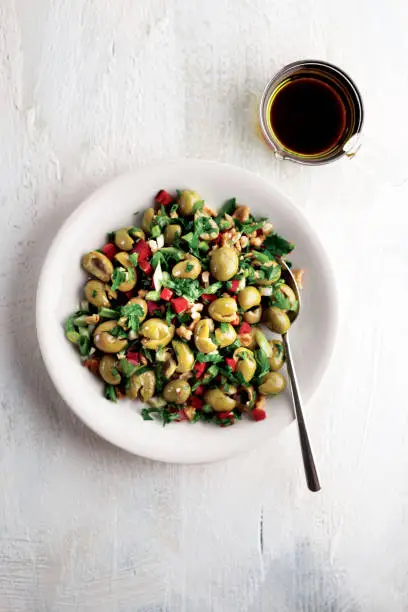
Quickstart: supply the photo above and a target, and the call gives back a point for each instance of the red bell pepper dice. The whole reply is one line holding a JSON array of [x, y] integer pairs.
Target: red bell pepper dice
[[164, 198], [209, 297], [196, 402], [152, 307], [133, 357], [109, 250], [232, 363], [234, 286], [166, 294], [146, 267], [245, 328], [258, 414], [200, 368], [179, 304], [143, 250]]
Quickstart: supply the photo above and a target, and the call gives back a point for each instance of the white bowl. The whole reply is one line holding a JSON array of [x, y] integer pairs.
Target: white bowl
[[61, 281]]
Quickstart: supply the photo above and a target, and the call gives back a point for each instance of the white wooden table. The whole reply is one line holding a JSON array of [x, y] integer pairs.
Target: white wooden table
[[89, 89]]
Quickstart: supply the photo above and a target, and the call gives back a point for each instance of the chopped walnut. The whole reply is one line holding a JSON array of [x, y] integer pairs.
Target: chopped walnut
[[242, 213], [267, 228], [205, 277], [153, 245], [257, 241], [183, 332], [92, 319], [185, 375], [190, 412], [245, 339], [195, 316], [142, 293], [174, 215], [298, 276], [194, 323], [244, 241], [209, 211]]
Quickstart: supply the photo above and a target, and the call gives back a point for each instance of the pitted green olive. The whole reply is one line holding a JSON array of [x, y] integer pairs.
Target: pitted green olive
[[131, 275], [189, 268], [275, 274], [123, 240], [202, 336], [142, 386], [249, 298], [177, 391], [147, 219], [247, 398], [186, 202], [156, 333], [246, 362], [95, 293], [184, 355], [98, 265], [254, 315], [225, 336], [170, 233], [143, 305], [277, 358], [277, 320], [107, 343], [272, 384], [224, 263], [289, 294], [108, 370], [219, 401], [223, 310]]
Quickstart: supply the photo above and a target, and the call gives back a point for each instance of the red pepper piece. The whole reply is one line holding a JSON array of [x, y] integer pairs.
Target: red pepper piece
[[109, 250], [143, 250], [164, 198], [245, 328], [166, 294], [200, 368], [258, 414], [200, 390], [92, 364], [152, 307], [236, 321], [209, 297], [196, 402], [182, 415], [232, 363], [133, 357], [129, 294], [179, 304], [146, 267], [226, 415], [234, 286]]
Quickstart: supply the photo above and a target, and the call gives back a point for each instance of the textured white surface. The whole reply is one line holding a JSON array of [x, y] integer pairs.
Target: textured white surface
[[89, 89]]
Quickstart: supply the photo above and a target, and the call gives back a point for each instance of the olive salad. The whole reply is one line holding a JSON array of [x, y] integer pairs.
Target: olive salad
[[172, 311]]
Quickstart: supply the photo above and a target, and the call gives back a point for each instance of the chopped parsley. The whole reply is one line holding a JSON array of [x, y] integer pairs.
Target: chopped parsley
[[277, 245], [134, 314], [118, 277]]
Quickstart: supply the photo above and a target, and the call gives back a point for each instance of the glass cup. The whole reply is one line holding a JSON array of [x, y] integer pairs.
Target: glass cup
[[345, 90]]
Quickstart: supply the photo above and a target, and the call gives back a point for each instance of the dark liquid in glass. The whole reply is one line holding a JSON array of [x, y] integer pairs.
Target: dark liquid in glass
[[308, 116]]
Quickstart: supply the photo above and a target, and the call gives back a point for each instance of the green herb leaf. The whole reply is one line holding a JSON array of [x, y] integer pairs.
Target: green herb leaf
[[184, 287], [262, 364], [134, 258], [277, 245], [118, 332], [110, 393], [198, 206], [226, 209], [224, 327], [279, 300], [206, 357], [134, 313], [213, 288], [118, 277]]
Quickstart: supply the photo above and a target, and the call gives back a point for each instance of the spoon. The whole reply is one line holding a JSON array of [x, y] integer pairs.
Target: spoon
[[308, 461]]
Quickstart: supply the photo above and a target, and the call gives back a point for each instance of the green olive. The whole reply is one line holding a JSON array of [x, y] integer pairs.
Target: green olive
[[223, 310], [254, 315], [202, 338], [219, 401], [142, 386], [98, 265], [246, 362], [277, 272], [277, 320], [249, 298], [108, 370], [185, 357], [131, 280], [277, 358], [177, 391], [147, 219], [247, 398], [107, 343], [170, 233], [143, 305], [272, 384], [224, 263], [95, 293], [156, 333], [189, 268], [225, 336], [123, 240], [138, 233], [186, 202]]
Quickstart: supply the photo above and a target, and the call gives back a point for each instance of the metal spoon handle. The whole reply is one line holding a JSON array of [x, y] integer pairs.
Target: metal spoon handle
[[308, 461]]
